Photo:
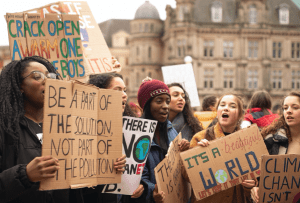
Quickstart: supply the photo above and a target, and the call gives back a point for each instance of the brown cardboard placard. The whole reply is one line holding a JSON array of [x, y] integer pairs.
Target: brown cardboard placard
[[226, 162], [280, 180], [96, 54], [55, 37], [168, 175], [82, 128]]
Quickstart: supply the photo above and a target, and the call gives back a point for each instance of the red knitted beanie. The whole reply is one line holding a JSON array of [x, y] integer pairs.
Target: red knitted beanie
[[151, 88]]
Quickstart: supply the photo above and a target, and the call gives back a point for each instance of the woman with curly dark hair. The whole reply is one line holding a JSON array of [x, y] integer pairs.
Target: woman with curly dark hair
[[283, 135], [22, 85], [181, 114]]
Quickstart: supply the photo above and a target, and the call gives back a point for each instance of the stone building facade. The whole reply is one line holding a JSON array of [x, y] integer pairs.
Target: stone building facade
[[237, 46]]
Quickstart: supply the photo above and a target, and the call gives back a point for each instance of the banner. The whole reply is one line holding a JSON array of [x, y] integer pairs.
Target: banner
[[280, 180], [137, 138], [82, 128], [168, 175], [225, 163]]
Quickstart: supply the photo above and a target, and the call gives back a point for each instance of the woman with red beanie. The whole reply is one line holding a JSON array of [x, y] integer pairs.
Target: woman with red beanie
[[154, 98]]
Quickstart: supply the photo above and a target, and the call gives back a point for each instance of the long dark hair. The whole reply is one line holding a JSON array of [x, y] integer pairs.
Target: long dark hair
[[210, 134], [11, 100], [261, 99], [104, 81], [280, 123], [187, 111]]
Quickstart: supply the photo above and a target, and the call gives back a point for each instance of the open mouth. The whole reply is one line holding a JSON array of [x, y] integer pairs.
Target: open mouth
[[289, 117], [123, 102], [225, 115]]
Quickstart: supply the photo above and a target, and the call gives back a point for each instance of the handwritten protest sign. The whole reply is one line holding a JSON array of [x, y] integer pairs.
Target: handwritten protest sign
[[96, 54], [137, 137], [184, 75], [168, 176], [82, 128], [225, 163], [280, 180], [55, 37]]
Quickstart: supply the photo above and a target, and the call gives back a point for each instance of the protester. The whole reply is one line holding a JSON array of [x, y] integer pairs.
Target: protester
[[154, 98], [229, 115], [283, 135], [258, 110], [22, 85], [136, 109], [208, 114], [114, 81], [181, 114]]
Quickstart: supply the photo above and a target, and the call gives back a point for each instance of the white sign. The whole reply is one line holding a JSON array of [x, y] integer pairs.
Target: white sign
[[137, 138], [184, 75]]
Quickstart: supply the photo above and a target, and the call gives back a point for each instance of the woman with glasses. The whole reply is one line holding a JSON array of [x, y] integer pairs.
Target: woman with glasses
[[22, 86]]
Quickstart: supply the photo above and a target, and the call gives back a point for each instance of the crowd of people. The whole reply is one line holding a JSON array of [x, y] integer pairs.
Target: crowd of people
[[22, 86]]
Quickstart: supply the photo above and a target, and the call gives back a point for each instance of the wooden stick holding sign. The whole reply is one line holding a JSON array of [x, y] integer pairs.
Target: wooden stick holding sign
[[168, 175], [225, 163]]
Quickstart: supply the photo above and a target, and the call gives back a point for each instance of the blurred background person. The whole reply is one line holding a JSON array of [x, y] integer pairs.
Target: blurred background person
[[208, 114], [283, 135], [258, 110], [181, 114], [136, 109]]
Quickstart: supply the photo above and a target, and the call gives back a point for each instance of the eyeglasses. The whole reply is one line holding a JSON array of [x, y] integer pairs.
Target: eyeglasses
[[39, 76]]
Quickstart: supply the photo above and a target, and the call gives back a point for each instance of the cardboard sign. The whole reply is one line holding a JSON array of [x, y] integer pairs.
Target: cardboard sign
[[96, 54], [280, 180], [55, 37], [184, 75], [82, 128], [168, 175], [225, 163], [137, 138]]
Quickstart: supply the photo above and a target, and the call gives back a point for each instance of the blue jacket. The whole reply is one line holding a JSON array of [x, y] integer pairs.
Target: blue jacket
[[155, 156]]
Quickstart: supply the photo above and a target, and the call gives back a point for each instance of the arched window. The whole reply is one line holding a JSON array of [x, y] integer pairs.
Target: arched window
[[137, 51], [284, 16], [252, 14], [216, 11]]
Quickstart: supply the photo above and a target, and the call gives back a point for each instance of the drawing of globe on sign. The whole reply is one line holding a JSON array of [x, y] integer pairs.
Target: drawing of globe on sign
[[221, 176], [141, 149]]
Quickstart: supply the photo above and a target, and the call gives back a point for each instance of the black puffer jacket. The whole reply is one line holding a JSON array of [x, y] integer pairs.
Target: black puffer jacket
[[14, 184]]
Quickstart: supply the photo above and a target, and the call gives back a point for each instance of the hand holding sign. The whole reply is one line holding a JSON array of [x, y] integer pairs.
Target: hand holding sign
[[41, 168], [138, 192], [184, 145], [158, 197], [120, 164]]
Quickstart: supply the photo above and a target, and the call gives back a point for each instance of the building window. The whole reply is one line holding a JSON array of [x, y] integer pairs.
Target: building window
[[138, 82], [253, 49], [150, 75], [295, 79], [284, 16], [183, 9], [181, 44], [216, 12], [141, 27], [149, 52], [151, 28], [277, 49], [252, 79], [146, 27], [228, 78], [295, 50], [209, 48], [252, 14], [126, 61], [208, 78], [277, 79], [228, 49], [137, 51]]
